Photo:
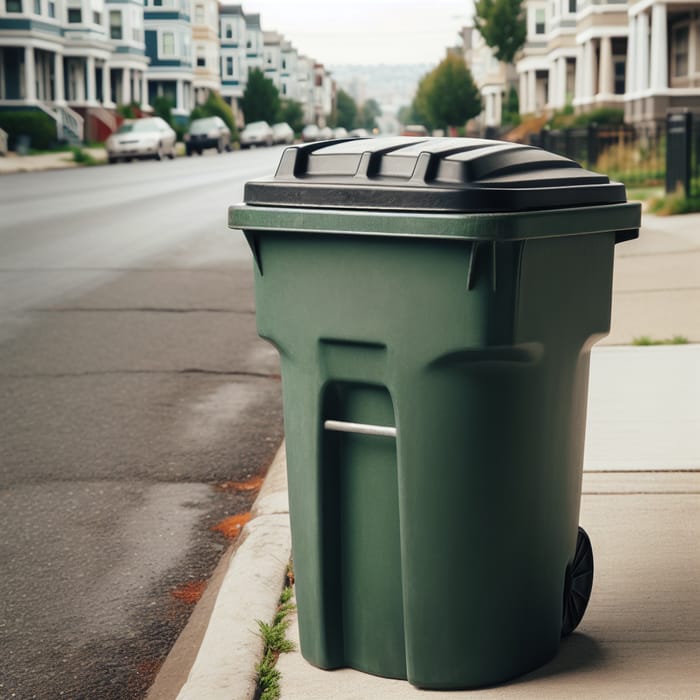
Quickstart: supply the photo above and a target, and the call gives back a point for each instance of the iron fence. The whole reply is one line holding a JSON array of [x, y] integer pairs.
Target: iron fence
[[635, 155]]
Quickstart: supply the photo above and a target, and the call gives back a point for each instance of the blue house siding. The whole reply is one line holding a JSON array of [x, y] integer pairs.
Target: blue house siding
[[30, 25]]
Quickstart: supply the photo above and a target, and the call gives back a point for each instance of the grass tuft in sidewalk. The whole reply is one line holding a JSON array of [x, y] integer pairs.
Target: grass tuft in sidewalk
[[275, 642], [648, 340]]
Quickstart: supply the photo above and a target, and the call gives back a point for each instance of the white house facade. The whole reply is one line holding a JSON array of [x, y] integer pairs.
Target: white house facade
[[643, 57], [601, 69], [490, 75], [663, 59], [205, 42], [534, 64], [168, 34]]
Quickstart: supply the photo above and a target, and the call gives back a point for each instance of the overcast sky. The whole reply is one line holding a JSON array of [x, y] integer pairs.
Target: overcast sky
[[365, 31]]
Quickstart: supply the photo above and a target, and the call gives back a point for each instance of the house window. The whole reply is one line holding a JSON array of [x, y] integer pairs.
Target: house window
[[619, 64], [229, 65], [115, 24], [75, 15], [229, 31], [13, 5], [52, 8], [37, 7], [201, 62], [168, 44], [680, 51], [157, 3], [539, 21], [572, 7], [199, 14], [96, 18]]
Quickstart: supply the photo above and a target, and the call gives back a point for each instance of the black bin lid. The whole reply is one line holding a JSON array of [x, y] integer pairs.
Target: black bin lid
[[430, 175]]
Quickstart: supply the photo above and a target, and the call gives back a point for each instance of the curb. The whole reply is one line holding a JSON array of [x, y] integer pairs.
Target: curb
[[253, 578]]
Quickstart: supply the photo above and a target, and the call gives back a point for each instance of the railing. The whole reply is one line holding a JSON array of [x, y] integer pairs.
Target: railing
[[72, 125], [69, 124], [633, 154]]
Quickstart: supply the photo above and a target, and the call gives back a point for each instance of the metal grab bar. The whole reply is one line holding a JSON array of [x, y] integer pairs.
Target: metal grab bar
[[362, 428]]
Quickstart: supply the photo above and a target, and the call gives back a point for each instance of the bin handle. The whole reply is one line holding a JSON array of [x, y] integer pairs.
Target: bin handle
[[361, 428]]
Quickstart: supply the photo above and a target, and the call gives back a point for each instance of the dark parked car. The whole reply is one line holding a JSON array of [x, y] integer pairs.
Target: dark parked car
[[210, 132]]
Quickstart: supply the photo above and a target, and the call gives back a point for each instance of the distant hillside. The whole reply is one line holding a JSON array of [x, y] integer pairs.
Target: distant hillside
[[392, 86]]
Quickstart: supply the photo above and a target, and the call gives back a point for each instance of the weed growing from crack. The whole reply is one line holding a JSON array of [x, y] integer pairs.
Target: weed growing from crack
[[275, 642]]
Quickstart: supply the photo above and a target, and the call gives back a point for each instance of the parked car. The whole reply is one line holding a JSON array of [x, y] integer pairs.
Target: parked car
[[282, 133], [151, 137], [414, 130], [256, 134], [209, 132], [340, 132], [325, 133], [310, 133], [360, 133]]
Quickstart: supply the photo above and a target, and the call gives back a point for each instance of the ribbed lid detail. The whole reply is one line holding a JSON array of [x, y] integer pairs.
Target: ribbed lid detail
[[430, 174]]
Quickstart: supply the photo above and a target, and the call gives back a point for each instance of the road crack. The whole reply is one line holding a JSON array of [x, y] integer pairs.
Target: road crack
[[142, 309], [186, 371]]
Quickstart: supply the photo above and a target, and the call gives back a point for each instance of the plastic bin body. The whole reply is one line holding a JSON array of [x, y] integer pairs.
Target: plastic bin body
[[437, 555]]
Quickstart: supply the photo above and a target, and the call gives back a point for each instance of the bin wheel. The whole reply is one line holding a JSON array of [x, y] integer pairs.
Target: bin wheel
[[578, 583]]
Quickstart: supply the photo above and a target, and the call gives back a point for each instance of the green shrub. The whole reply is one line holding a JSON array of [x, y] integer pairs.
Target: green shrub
[[674, 203], [130, 111], [603, 116], [83, 157], [216, 106], [39, 127]]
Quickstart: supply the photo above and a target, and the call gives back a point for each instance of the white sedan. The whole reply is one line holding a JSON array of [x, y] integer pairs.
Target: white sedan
[[151, 137]]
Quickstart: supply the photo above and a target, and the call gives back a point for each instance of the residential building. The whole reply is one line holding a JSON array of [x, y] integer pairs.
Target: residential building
[[643, 56], [491, 76], [305, 87], [663, 59], [562, 52], [168, 31], [323, 95], [233, 55], [78, 60], [288, 71], [58, 56], [128, 62], [272, 57], [601, 35], [533, 65], [205, 41], [254, 42]]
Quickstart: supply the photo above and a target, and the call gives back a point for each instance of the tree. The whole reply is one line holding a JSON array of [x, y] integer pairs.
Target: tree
[[261, 99], [216, 106], [292, 112], [447, 96], [162, 107], [511, 109], [420, 107], [367, 117], [502, 24], [345, 110]]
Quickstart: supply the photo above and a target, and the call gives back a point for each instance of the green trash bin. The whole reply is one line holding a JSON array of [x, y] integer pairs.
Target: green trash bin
[[434, 303]]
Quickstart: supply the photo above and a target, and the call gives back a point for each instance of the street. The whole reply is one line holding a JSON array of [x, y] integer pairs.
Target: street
[[133, 389]]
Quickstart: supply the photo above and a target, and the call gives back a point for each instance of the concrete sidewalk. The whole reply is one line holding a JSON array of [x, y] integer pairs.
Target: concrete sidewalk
[[13, 163]]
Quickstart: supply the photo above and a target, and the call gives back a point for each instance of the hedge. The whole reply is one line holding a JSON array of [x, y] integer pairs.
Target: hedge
[[40, 128]]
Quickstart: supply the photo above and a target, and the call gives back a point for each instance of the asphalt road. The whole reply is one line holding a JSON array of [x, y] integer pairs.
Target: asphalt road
[[132, 384]]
